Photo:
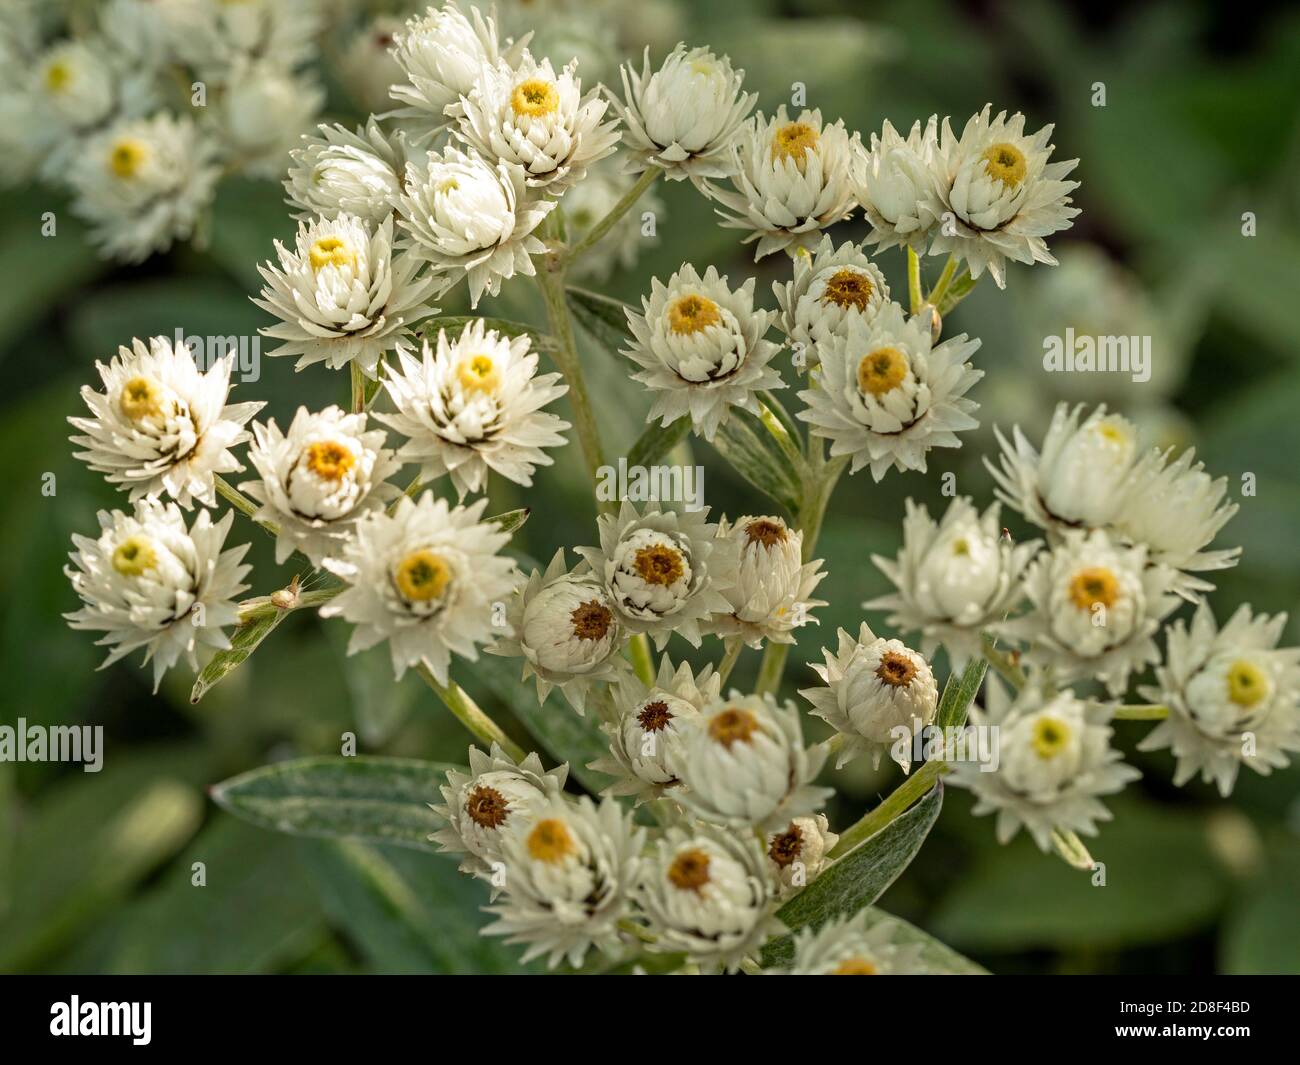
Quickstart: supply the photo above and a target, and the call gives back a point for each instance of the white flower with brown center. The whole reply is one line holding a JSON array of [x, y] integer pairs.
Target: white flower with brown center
[[160, 426], [899, 186], [1233, 697], [830, 289], [877, 694], [426, 578], [798, 852], [886, 394], [336, 172], [148, 582], [865, 944]]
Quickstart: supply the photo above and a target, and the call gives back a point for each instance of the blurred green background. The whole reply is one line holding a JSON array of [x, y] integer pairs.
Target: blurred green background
[[1199, 126]]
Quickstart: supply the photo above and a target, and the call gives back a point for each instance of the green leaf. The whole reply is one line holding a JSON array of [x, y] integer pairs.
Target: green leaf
[[454, 324], [657, 441], [245, 640], [383, 800], [936, 957], [604, 318], [380, 705], [511, 520], [860, 877], [957, 697], [750, 450]]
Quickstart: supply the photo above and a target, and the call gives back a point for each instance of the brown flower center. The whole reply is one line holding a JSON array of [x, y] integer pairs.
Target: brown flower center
[[766, 531], [733, 725], [591, 620], [690, 870], [848, 288], [786, 846], [659, 564], [654, 716], [487, 807], [896, 670]]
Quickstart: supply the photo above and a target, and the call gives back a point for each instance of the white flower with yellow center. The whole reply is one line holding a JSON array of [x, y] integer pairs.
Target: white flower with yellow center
[[743, 762], [706, 891], [587, 203], [563, 625], [684, 117], [149, 582], [474, 406], [526, 115], [471, 218], [646, 735], [1054, 760], [570, 869], [700, 349], [1233, 697], [142, 184], [953, 578], [1080, 479], [160, 426], [886, 394], [343, 295], [792, 179], [998, 196], [214, 36], [773, 592], [263, 115], [336, 172], [665, 571], [898, 191], [877, 694], [1095, 607], [427, 578], [74, 84], [493, 797], [799, 851], [853, 946], [319, 479], [829, 290]]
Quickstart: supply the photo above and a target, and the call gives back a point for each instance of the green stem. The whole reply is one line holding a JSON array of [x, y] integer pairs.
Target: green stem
[[469, 714], [358, 388], [961, 287], [596, 232], [898, 802], [643, 662], [914, 297], [1141, 712], [1003, 664], [242, 503], [263, 606], [734, 647], [945, 279]]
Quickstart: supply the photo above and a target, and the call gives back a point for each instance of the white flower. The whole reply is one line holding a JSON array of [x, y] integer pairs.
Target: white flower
[[589, 202], [885, 395], [1232, 695], [1055, 759], [998, 194], [149, 582], [875, 691], [213, 36], [142, 184], [701, 350], [341, 294], [136, 32], [319, 479], [798, 852], [570, 868], [368, 66], [772, 595], [1081, 477], [471, 218], [792, 179], [706, 891], [563, 626], [74, 84], [645, 737], [953, 578], [263, 114], [829, 290], [743, 762], [425, 578], [684, 117], [479, 806], [526, 115], [1095, 607], [899, 189], [474, 406], [578, 35], [160, 426], [665, 572], [852, 946], [335, 172]]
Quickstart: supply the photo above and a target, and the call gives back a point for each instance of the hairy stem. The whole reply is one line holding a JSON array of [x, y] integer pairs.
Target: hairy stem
[[945, 279], [470, 714], [643, 662], [615, 213], [358, 388], [898, 802], [734, 646], [1003, 663], [1141, 712], [914, 297], [242, 503]]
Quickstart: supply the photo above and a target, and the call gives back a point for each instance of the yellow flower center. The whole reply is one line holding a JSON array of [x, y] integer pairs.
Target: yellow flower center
[[140, 398], [855, 967], [961, 547], [734, 725], [1114, 430], [1094, 586], [328, 460], [447, 185], [1006, 163], [331, 251], [1247, 684], [659, 564], [134, 555], [690, 870], [792, 141], [702, 67], [690, 314], [535, 97], [1051, 734], [478, 373], [422, 576], [881, 371], [550, 841], [848, 288], [127, 157], [58, 75]]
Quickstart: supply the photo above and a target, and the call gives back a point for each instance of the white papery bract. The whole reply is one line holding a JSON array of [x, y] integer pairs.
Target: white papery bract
[[342, 294], [772, 595], [1095, 607], [214, 36], [851, 946], [792, 179], [149, 582], [953, 578], [743, 763], [142, 184], [263, 114], [474, 405], [886, 394], [998, 196], [590, 201], [425, 578], [471, 218], [683, 118], [899, 186], [798, 852], [319, 479], [570, 868], [337, 172], [1055, 759], [368, 66], [665, 572], [829, 290], [700, 348], [876, 693], [1233, 697], [526, 115], [706, 891], [162, 427], [481, 805]]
